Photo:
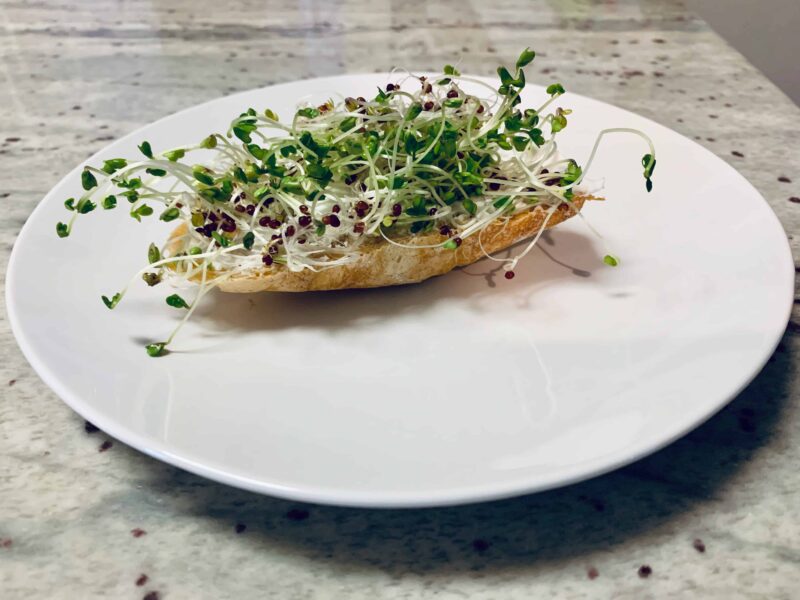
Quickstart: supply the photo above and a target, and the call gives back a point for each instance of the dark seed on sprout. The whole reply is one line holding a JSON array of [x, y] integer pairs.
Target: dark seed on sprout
[[460, 155], [480, 109], [457, 241], [201, 230], [358, 227], [289, 231], [452, 94], [267, 259], [428, 105], [432, 212], [444, 230], [363, 187], [348, 180], [326, 220], [304, 209], [509, 275], [274, 237], [334, 221], [213, 217], [273, 249], [301, 241], [362, 99], [251, 209], [397, 210], [427, 88], [494, 186], [304, 221], [264, 221], [389, 87], [274, 223], [228, 226], [239, 208], [336, 208]]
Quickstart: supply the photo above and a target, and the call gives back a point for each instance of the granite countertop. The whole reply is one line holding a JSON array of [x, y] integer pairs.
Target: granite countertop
[[83, 516]]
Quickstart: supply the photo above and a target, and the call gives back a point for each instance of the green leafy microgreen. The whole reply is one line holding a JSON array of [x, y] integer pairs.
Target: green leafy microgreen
[[153, 254], [111, 302], [525, 58], [114, 164], [175, 301], [145, 149], [155, 172], [88, 180], [109, 202], [170, 214], [175, 155], [220, 239], [156, 350], [62, 229], [611, 261], [141, 211]]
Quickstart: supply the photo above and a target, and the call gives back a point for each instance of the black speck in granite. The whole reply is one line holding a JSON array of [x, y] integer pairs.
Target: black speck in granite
[[297, 514], [141, 580], [11, 382], [794, 199], [138, 532], [154, 595], [645, 571], [747, 421], [240, 527], [105, 446], [784, 179], [592, 573], [699, 545], [90, 427], [737, 153]]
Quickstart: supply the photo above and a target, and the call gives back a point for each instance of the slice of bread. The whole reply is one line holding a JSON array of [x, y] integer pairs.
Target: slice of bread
[[380, 263]]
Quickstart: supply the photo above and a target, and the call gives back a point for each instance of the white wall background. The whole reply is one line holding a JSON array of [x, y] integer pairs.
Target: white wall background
[[767, 32]]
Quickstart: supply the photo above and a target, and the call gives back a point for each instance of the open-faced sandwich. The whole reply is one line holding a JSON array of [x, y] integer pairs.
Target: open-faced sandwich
[[418, 180]]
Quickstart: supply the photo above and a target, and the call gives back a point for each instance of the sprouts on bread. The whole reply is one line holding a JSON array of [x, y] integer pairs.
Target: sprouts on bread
[[422, 155]]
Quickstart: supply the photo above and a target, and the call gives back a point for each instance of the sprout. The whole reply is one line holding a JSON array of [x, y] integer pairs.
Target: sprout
[[420, 156]]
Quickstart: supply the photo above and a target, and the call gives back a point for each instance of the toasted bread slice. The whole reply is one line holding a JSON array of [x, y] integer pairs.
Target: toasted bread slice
[[382, 264]]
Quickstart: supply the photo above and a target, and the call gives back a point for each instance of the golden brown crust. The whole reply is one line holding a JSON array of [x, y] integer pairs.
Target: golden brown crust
[[382, 264]]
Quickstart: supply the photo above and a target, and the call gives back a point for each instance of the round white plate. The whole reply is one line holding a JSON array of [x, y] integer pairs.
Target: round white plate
[[464, 388]]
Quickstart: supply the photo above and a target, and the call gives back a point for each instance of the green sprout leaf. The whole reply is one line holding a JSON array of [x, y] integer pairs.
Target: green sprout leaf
[[69, 203], [555, 89], [209, 142], [113, 165], [203, 175], [450, 245], [156, 350], [451, 70], [220, 239], [611, 261], [170, 214], [413, 111], [109, 202], [153, 254], [155, 172], [141, 211], [175, 301], [525, 58], [175, 155], [85, 206], [62, 229], [145, 149], [113, 301], [308, 113], [346, 125], [88, 180], [248, 240]]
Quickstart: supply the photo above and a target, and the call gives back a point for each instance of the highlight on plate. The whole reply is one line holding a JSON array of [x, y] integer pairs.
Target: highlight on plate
[[420, 179]]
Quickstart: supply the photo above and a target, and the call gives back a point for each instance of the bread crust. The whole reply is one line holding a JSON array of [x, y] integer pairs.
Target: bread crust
[[382, 264]]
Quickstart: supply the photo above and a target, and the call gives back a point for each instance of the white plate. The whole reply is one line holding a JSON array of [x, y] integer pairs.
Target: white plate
[[467, 387]]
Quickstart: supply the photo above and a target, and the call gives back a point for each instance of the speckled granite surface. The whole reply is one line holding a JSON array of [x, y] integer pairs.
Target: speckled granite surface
[[75, 76]]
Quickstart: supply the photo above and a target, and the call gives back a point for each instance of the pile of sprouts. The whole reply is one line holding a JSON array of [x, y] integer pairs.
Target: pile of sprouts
[[420, 157]]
